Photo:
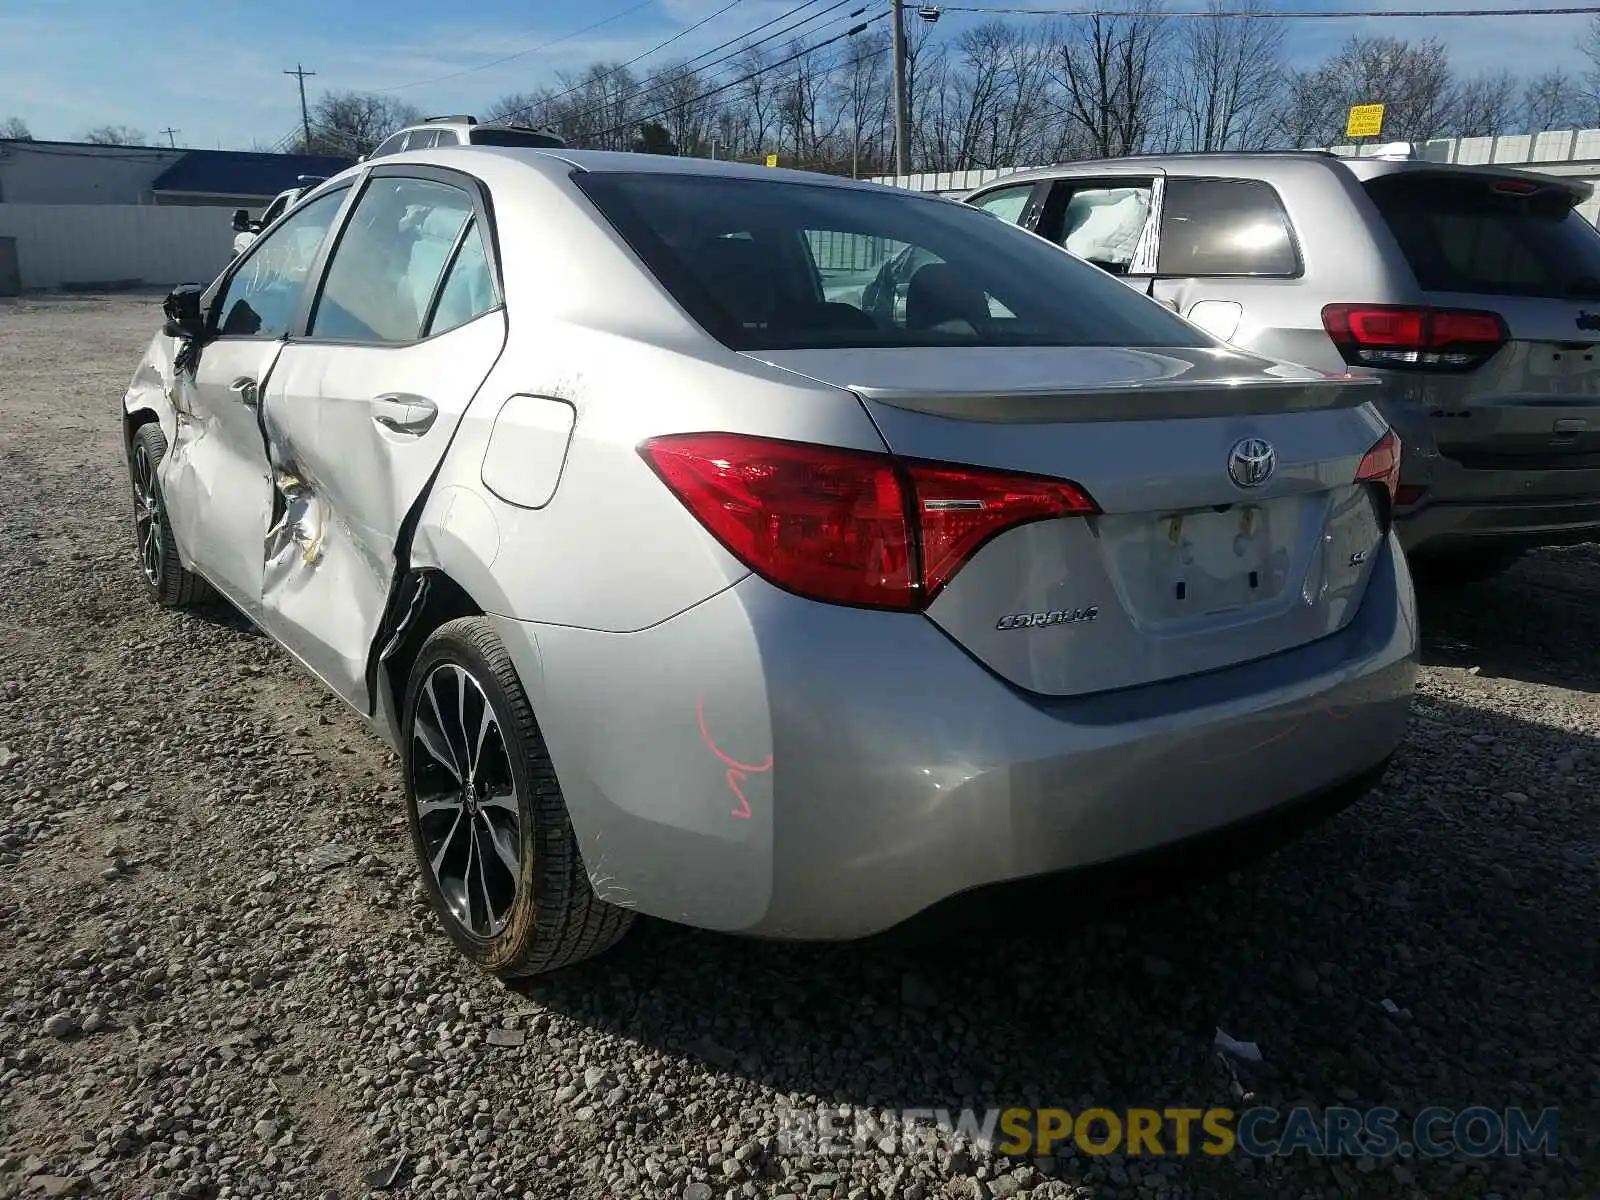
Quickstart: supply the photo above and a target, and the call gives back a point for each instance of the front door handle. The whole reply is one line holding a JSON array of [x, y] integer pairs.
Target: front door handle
[[245, 389], [412, 416]]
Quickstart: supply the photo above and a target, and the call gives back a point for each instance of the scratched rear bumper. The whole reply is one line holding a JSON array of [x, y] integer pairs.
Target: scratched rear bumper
[[774, 766]]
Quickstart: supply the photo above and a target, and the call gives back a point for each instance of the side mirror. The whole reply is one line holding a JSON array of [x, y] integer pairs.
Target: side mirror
[[184, 318], [241, 220]]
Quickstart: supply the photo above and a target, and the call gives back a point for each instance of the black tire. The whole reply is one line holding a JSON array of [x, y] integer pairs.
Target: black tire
[[1462, 568], [554, 918], [165, 580]]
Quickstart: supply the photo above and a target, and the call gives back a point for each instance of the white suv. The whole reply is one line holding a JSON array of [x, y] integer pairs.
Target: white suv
[[245, 230], [465, 131]]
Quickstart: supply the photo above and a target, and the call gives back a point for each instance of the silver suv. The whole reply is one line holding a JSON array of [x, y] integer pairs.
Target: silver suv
[[1474, 292], [465, 131]]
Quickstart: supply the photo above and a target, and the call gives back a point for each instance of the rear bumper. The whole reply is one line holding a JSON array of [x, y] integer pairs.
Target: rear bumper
[[1466, 509], [773, 766], [1444, 528]]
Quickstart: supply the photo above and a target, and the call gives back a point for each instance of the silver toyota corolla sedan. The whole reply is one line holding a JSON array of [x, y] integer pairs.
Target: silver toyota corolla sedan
[[695, 570]]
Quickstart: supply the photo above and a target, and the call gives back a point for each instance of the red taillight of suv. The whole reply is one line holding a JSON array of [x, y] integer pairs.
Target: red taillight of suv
[[1389, 335], [849, 526]]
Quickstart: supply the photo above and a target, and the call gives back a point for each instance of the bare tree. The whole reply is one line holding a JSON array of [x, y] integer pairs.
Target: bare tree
[[1554, 100], [601, 107], [1590, 83], [1485, 105], [1229, 79], [520, 108], [113, 135], [753, 103], [353, 123], [676, 92], [809, 122], [1411, 80], [863, 92], [1110, 71], [16, 129], [991, 101]]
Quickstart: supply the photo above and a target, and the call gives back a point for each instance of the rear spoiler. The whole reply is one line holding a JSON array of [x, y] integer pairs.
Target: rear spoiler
[[1506, 179]]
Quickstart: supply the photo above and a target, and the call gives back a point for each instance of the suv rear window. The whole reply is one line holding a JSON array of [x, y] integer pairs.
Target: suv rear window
[[514, 137], [779, 265], [1466, 235]]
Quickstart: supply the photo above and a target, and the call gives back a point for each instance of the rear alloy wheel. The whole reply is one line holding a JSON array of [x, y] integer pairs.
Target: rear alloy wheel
[[499, 860], [168, 584], [1461, 568]]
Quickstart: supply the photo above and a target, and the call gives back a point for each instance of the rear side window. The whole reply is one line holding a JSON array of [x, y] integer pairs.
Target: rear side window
[[1007, 203], [779, 265], [468, 290], [1225, 227], [1474, 235]]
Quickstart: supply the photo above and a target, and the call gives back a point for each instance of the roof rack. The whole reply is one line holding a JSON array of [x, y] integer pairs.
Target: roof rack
[[464, 118]]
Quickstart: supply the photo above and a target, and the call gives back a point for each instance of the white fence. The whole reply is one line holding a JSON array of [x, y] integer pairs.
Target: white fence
[[72, 244]]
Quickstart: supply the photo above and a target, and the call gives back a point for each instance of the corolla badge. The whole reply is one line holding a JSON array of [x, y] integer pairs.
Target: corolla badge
[[1588, 320], [1251, 462]]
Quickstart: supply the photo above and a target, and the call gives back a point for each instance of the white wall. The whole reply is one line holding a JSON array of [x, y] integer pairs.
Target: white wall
[[103, 243], [63, 173]]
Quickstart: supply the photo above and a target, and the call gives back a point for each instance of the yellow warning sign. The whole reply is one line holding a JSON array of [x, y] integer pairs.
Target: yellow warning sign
[[1366, 120], [772, 159]]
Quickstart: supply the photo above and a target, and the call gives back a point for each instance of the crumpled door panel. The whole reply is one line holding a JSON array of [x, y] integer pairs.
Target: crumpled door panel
[[355, 434], [214, 476]]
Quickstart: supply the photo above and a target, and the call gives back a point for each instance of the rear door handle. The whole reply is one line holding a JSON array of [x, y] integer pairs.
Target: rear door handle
[[412, 416], [245, 389]]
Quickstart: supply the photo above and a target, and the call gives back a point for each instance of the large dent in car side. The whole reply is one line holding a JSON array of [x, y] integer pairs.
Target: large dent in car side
[[320, 579]]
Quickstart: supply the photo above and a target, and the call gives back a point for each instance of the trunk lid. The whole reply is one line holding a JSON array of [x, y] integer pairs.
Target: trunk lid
[[1183, 570], [1513, 244]]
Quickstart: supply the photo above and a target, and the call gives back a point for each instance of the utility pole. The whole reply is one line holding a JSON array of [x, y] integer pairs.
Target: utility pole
[[172, 137], [301, 73], [902, 116]]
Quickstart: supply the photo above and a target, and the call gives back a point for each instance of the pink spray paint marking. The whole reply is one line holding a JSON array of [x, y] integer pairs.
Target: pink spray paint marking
[[738, 771]]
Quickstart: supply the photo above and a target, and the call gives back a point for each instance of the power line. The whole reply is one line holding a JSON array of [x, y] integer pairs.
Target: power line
[[172, 136], [545, 101], [744, 46], [733, 83], [520, 53], [1292, 15]]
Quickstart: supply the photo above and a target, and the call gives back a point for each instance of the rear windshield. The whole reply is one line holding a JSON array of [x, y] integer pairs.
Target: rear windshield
[[782, 265], [514, 137], [1466, 235]]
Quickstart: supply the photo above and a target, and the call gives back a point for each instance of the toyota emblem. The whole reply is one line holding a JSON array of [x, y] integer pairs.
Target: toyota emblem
[[1251, 462]]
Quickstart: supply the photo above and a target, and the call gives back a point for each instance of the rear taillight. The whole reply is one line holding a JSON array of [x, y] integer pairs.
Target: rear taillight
[[1381, 466], [847, 526], [1440, 339]]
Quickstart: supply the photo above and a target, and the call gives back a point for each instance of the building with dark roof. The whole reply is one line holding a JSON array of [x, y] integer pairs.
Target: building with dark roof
[[35, 172]]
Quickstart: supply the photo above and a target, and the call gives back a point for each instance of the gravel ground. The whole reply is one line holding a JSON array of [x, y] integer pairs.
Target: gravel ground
[[222, 981]]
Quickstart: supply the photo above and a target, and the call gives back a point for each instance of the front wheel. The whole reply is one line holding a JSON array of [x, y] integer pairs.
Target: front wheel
[[499, 861], [165, 580]]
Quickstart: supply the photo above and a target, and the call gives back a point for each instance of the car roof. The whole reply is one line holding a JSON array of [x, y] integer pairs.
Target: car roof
[[620, 161], [560, 161], [1268, 165]]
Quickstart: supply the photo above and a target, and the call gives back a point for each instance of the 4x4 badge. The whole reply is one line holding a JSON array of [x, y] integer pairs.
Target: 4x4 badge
[[1588, 320]]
